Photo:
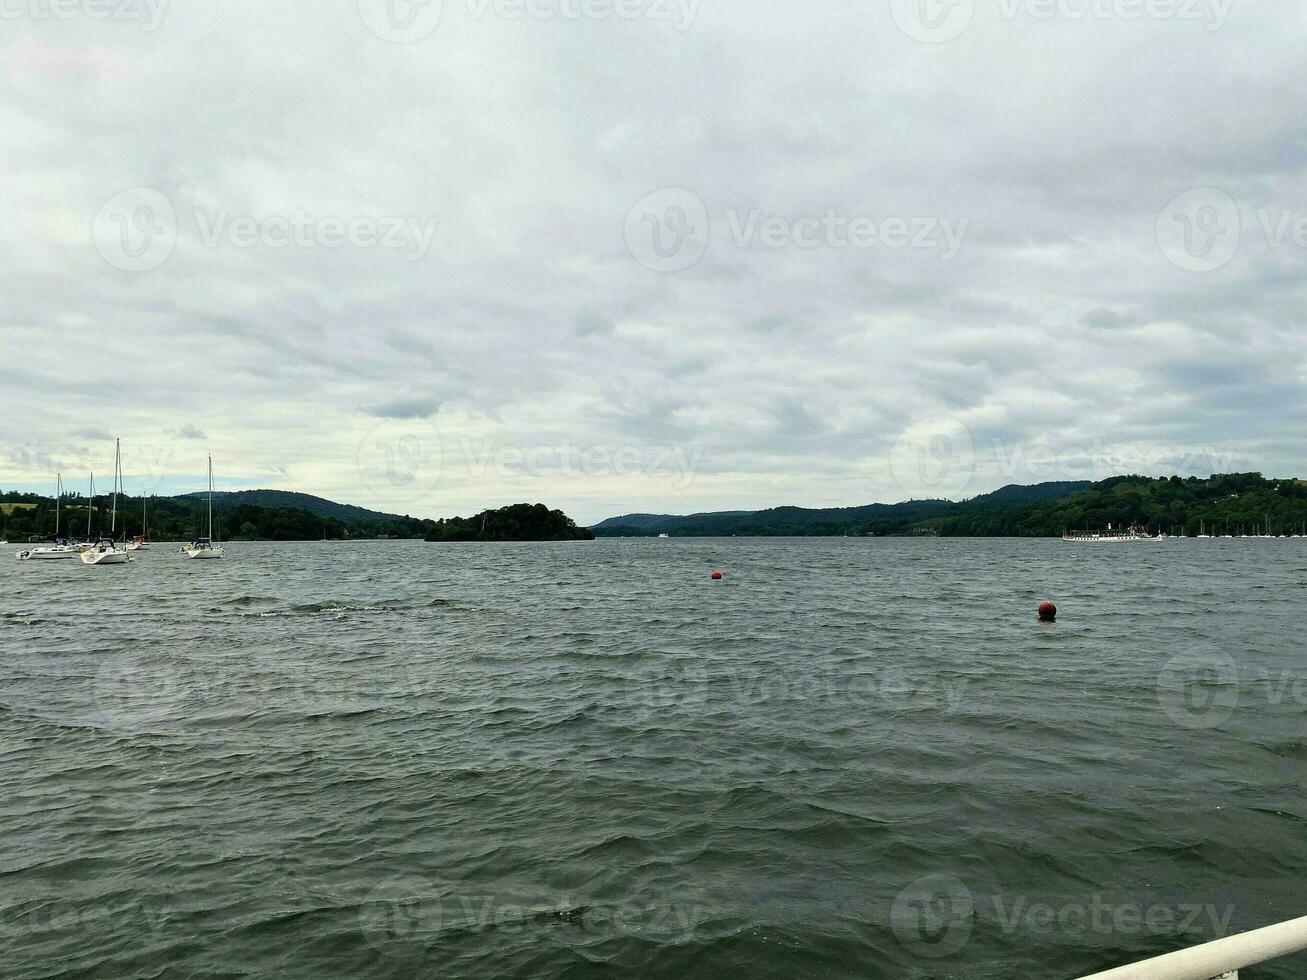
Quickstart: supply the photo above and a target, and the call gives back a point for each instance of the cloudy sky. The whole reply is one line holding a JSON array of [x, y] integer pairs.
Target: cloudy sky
[[650, 255]]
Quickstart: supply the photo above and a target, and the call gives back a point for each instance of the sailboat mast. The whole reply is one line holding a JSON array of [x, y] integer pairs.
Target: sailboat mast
[[58, 496], [117, 478], [210, 498], [90, 506]]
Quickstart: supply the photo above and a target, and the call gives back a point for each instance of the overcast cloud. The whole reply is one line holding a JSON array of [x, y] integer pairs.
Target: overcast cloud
[[650, 255]]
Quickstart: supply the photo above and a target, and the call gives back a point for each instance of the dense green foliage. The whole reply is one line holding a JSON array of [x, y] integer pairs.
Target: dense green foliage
[[520, 522], [271, 515], [1230, 503], [1226, 503]]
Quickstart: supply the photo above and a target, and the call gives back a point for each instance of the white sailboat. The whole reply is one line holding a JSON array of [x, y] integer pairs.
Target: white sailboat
[[205, 547], [106, 551], [60, 549]]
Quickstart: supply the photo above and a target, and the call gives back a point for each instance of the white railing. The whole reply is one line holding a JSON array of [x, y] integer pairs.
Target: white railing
[[1219, 960]]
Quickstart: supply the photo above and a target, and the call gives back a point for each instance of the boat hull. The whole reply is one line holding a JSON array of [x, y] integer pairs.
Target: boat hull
[[200, 554], [46, 554], [1109, 540], [105, 557]]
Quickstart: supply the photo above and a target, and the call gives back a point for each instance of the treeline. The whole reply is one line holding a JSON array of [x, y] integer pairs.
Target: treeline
[[172, 519], [788, 522], [32, 517], [1225, 503], [520, 522], [1231, 503]]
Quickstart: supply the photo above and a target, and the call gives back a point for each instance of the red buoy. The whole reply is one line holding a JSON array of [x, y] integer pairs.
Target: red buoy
[[1047, 612], [716, 576]]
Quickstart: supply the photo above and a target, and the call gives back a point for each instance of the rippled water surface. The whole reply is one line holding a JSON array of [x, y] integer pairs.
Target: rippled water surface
[[850, 758]]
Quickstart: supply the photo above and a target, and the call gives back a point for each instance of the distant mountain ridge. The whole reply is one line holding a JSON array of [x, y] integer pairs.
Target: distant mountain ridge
[[868, 518], [1033, 493]]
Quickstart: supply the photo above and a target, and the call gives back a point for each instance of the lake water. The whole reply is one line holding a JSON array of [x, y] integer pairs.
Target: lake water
[[849, 758]]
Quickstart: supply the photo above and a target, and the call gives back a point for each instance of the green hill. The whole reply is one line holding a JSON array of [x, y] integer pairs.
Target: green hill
[[913, 516], [1223, 503], [371, 522]]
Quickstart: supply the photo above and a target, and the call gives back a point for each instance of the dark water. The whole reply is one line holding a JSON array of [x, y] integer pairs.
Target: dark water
[[851, 758]]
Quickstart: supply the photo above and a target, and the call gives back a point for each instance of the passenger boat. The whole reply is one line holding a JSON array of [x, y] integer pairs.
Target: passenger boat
[[1135, 532]]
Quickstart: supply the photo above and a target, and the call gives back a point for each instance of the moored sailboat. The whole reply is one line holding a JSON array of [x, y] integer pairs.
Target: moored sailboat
[[205, 547], [60, 549], [141, 540], [106, 550]]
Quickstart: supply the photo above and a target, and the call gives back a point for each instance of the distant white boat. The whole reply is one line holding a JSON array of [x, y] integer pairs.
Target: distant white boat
[[664, 536], [106, 551], [205, 547]]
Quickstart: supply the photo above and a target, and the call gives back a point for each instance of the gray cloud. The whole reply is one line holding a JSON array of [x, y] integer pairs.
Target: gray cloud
[[592, 324], [416, 407], [1105, 319], [94, 434]]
